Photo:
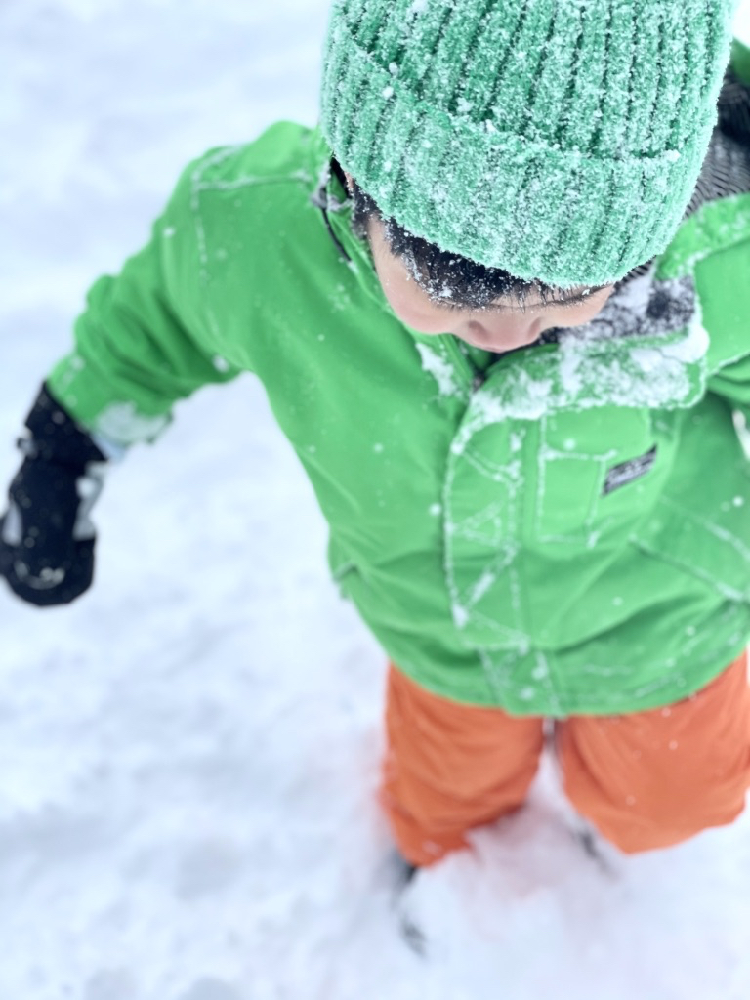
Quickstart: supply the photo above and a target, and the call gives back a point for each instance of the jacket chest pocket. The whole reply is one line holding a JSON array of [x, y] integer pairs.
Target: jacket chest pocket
[[593, 474]]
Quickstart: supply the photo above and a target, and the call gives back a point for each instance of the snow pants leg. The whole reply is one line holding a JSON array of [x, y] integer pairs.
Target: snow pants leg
[[450, 767], [646, 780]]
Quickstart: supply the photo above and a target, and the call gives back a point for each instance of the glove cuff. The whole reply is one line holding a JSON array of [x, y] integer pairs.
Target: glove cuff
[[56, 437]]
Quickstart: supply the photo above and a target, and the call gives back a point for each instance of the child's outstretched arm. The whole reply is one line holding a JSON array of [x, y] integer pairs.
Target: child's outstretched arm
[[140, 345]]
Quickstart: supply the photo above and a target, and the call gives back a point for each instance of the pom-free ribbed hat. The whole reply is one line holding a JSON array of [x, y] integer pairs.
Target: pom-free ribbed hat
[[559, 140]]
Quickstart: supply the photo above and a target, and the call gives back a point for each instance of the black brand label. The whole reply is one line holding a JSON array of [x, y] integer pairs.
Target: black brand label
[[626, 472]]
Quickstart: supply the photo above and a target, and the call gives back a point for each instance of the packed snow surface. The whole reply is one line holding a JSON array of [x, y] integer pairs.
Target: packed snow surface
[[188, 756]]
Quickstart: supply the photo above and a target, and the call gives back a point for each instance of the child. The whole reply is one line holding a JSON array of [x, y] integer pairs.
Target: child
[[498, 301]]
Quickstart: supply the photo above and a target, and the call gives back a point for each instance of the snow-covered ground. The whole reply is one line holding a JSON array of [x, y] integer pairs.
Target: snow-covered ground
[[188, 756]]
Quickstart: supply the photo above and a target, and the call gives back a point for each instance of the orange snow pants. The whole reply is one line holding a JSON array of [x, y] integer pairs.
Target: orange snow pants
[[646, 780]]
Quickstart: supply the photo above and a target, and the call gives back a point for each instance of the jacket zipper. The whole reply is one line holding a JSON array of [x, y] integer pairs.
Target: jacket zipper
[[474, 379]]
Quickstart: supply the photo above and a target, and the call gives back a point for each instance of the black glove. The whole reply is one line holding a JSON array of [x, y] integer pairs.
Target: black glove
[[46, 537]]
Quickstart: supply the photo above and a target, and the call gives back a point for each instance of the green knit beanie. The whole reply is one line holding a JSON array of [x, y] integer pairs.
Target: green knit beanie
[[559, 140]]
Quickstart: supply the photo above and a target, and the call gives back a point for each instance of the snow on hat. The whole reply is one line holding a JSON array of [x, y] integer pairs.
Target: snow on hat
[[559, 140]]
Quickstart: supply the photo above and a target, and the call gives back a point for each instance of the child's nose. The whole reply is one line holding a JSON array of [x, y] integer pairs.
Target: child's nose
[[506, 331]]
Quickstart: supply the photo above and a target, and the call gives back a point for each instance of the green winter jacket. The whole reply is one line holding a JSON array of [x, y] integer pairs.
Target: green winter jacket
[[560, 530]]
